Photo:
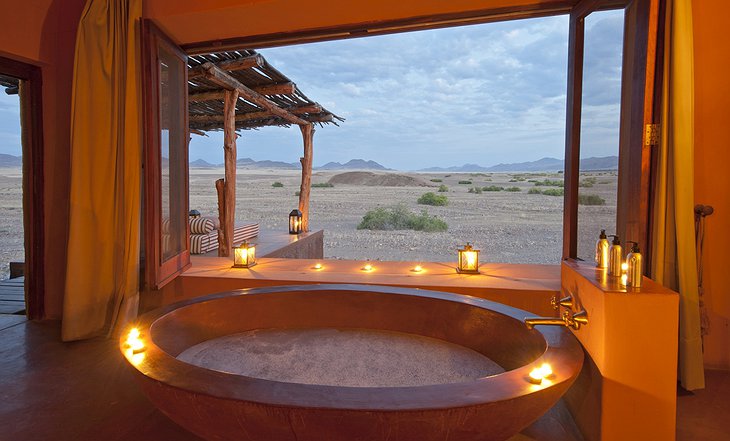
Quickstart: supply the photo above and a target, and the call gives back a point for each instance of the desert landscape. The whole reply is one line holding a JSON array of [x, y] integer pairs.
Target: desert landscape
[[507, 226]]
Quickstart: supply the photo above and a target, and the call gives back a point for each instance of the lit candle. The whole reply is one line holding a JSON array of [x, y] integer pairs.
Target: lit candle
[[367, 267], [317, 266], [538, 374], [417, 269]]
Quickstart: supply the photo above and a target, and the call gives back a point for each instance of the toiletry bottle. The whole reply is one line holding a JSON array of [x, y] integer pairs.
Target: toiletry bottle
[[602, 251], [635, 266], [615, 256]]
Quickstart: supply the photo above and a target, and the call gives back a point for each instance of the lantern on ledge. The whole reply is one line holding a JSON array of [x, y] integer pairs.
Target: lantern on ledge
[[295, 222], [244, 255], [468, 260]]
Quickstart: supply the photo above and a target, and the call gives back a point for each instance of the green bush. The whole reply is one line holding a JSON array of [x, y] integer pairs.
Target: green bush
[[591, 199], [493, 188], [587, 182], [549, 183], [547, 192], [476, 190], [277, 184], [512, 189], [437, 180], [431, 198], [297, 193], [465, 182], [443, 188], [553, 192], [398, 217], [429, 224], [323, 185]]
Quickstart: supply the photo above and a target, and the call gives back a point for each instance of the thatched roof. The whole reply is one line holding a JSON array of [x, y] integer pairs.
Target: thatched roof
[[10, 84], [266, 96]]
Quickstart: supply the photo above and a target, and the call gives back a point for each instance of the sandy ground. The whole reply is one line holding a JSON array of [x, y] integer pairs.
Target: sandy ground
[[507, 227], [11, 219]]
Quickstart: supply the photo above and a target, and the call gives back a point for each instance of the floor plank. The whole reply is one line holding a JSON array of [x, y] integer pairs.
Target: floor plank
[[12, 296]]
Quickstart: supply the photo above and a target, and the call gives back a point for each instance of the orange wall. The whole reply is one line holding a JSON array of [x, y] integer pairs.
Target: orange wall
[[712, 159], [190, 21], [43, 32]]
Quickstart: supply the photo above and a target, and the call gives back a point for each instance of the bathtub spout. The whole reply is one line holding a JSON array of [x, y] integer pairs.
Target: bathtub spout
[[534, 321], [569, 319]]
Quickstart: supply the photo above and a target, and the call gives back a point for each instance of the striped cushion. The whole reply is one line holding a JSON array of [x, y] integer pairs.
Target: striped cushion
[[203, 243], [201, 225]]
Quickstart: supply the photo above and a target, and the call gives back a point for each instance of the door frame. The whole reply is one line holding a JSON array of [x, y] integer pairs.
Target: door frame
[[31, 120]]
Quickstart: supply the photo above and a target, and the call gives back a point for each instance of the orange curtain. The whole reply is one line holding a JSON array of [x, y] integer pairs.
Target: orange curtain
[[104, 227], [675, 258]]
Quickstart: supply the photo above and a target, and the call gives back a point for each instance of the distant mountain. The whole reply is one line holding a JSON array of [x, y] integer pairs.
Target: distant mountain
[[544, 164], [352, 164], [250, 163], [202, 164], [10, 160], [604, 163]]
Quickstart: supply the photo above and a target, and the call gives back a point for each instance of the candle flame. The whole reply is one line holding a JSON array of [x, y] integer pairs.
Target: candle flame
[[367, 267]]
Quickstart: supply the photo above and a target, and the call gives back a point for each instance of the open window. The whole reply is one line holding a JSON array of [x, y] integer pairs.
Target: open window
[[640, 19], [165, 219]]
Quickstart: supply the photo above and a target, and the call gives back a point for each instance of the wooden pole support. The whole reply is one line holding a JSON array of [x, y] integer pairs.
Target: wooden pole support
[[229, 155], [306, 160], [220, 188]]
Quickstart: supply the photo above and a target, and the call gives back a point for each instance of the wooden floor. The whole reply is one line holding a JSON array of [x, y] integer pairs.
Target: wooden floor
[[82, 391], [12, 296]]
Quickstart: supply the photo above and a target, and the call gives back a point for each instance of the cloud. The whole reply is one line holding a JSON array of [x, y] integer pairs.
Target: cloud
[[484, 93]]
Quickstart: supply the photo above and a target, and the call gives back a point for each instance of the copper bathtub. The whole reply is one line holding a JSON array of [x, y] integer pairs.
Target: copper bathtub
[[221, 406]]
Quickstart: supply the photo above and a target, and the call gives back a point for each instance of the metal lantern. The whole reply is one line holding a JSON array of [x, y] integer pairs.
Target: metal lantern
[[295, 222], [244, 255], [194, 213], [468, 260]]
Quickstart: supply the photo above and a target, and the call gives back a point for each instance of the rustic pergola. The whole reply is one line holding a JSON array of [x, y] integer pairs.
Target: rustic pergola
[[240, 90]]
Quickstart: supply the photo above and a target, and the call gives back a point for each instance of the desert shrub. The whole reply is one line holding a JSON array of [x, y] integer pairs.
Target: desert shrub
[[297, 193], [549, 183], [427, 223], [532, 180], [547, 192], [513, 180], [431, 198], [477, 190], [323, 185], [604, 182], [488, 180], [512, 189], [493, 188], [587, 182], [591, 199], [437, 180], [277, 184], [553, 192], [399, 217], [443, 188], [465, 182]]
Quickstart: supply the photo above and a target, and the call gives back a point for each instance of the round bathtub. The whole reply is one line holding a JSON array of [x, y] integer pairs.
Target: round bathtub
[[218, 405]]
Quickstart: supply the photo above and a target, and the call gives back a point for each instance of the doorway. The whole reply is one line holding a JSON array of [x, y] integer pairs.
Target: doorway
[[21, 187]]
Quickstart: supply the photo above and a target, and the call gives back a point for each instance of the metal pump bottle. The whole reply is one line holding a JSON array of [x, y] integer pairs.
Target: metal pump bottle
[[635, 269], [615, 257], [602, 251]]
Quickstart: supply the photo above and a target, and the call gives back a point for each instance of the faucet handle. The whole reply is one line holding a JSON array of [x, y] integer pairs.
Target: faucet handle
[[576, 319], [566, 302]]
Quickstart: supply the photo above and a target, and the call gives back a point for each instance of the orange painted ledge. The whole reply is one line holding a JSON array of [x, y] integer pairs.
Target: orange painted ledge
[[523, 286]]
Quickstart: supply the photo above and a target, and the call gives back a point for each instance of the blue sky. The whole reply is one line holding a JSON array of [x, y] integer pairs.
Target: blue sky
[[480, 94]]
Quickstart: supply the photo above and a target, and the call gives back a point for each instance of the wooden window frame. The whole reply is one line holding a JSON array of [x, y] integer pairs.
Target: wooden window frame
[[156, 272], [31, 120], [638, 103], [635, 161]]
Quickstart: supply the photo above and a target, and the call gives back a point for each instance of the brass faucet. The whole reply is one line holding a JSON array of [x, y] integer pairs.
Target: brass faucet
[[570, 319]]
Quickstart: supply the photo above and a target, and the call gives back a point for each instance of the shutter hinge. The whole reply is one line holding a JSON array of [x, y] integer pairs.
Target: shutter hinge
[[652, 133]]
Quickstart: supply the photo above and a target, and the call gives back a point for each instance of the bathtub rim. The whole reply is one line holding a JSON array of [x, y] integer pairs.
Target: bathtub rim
[[563, 352]]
